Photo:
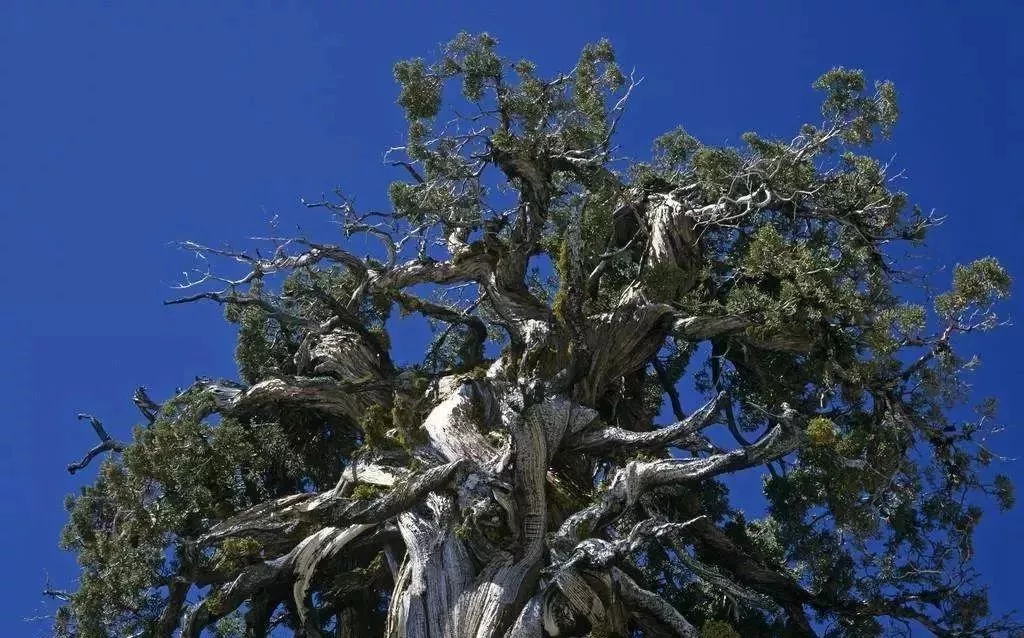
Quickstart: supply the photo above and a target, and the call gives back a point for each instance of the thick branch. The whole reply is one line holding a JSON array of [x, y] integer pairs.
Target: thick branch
[[671, 262], [147, 406], [348, 517], [669, 388], [454, 426], [171, 615], [323, 394], [627, 440], [643, 600], [271, 517], [637, 477]]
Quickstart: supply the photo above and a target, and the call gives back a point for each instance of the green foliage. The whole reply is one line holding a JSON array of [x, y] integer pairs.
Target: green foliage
[[822, 432], [395, 426], [254, 352], [846, 104], [367, 492], [177, 474], [673, 150], [596, 74], [235, 553], [665, 281], [1004, 492], [475, 58], [230, 626], [421, 90], [718, 629], [558, 305], [715, 168], [976, 285]]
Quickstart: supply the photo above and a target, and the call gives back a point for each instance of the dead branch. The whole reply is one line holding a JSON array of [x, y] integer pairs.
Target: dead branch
[[107, 444]]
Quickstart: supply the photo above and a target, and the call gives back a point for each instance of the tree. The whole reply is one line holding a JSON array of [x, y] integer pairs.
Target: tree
[[517, 481]]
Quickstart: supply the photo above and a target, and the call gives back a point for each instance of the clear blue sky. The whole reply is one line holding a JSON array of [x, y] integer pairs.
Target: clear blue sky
[[126, 125]]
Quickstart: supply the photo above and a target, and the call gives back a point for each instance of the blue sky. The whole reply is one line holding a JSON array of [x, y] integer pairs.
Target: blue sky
[[128, 125]]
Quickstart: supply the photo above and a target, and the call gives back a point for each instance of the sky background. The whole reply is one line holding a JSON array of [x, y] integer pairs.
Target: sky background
[[128, 125]]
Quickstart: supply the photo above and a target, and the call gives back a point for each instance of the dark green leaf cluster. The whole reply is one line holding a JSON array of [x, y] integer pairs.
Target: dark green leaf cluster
[[132, 527]]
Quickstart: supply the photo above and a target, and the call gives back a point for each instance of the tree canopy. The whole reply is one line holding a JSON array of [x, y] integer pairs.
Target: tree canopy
[[521, 478]]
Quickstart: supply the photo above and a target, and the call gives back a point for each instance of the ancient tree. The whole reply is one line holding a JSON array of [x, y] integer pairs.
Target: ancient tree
[[615, 342]]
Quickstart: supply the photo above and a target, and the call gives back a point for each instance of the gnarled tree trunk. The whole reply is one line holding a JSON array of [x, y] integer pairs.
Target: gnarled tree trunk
[[535, 493]]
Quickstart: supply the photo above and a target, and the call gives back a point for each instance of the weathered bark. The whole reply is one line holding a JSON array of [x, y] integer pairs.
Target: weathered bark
[[473, 583], [480, 554], [475, 524]]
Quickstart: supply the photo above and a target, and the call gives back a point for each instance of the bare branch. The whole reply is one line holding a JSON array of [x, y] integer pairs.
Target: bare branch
[[330, 507], [678, 433], [57, 594], [107, 444], [147, 406], [638, 477], [668, 387], [654, 605]]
